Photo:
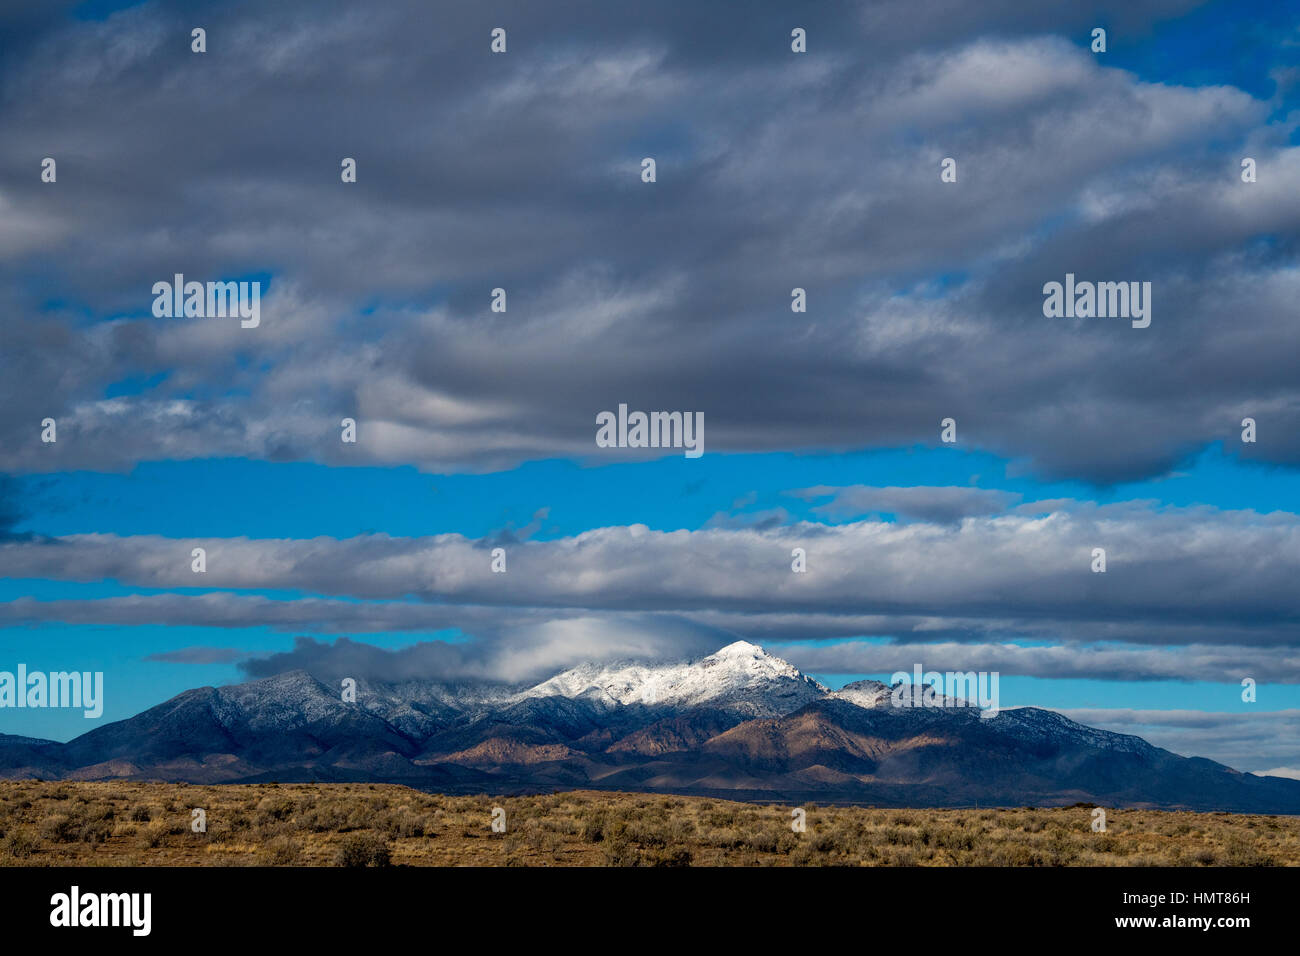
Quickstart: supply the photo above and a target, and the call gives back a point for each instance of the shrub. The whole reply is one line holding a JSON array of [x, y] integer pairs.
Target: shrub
[[823, 842], [152, 836], [720, 818], [404, 823], [20, 844], [95, 831], [364, 850], [1242, 852], [955, 840], [63, 828], [283, 851], [620, 852], [275, 808], [671, 856]]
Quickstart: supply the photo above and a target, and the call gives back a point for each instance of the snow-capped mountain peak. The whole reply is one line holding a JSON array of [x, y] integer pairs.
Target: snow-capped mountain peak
[[744, 657], [741, 677], [741, 649]]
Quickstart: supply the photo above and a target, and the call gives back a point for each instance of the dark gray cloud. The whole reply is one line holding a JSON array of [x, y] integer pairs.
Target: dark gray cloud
[[529, 653], [12, 511], [513, 535], [347, 658], [199, 655], [937, 504], [775, 170], [1221, 664]]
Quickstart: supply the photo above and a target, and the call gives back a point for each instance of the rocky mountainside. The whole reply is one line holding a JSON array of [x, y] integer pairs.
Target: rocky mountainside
[[738, 723]]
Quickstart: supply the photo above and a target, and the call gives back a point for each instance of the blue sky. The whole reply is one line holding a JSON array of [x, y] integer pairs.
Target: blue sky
[[231, 497], [822, 428]]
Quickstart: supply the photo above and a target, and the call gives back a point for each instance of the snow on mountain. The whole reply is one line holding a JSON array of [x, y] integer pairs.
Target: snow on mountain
[[864, 693], [1034, 724], [741, 677], [285, 701]]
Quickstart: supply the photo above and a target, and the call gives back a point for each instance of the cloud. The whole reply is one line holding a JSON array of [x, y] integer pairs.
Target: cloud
[[941, 505], [1292, 773], [199, 655], [1224, 664], [511, 535], [672, 296], [532, 652], [12, 511]]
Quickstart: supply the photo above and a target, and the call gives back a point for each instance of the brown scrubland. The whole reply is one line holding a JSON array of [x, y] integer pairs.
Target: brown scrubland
[[151, 824]]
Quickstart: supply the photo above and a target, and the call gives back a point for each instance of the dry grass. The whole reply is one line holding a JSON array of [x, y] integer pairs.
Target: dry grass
[[112, 824]]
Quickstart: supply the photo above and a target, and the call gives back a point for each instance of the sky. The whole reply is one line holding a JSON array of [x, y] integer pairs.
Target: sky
[[476, 429]]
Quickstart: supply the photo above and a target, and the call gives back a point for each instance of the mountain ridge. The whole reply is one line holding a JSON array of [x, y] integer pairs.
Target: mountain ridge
[[739, 722]]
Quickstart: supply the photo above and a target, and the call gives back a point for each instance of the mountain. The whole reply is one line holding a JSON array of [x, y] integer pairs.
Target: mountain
[[738, 723]]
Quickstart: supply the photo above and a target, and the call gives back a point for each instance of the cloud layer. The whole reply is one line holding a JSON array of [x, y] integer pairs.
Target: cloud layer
[[521, 171]]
